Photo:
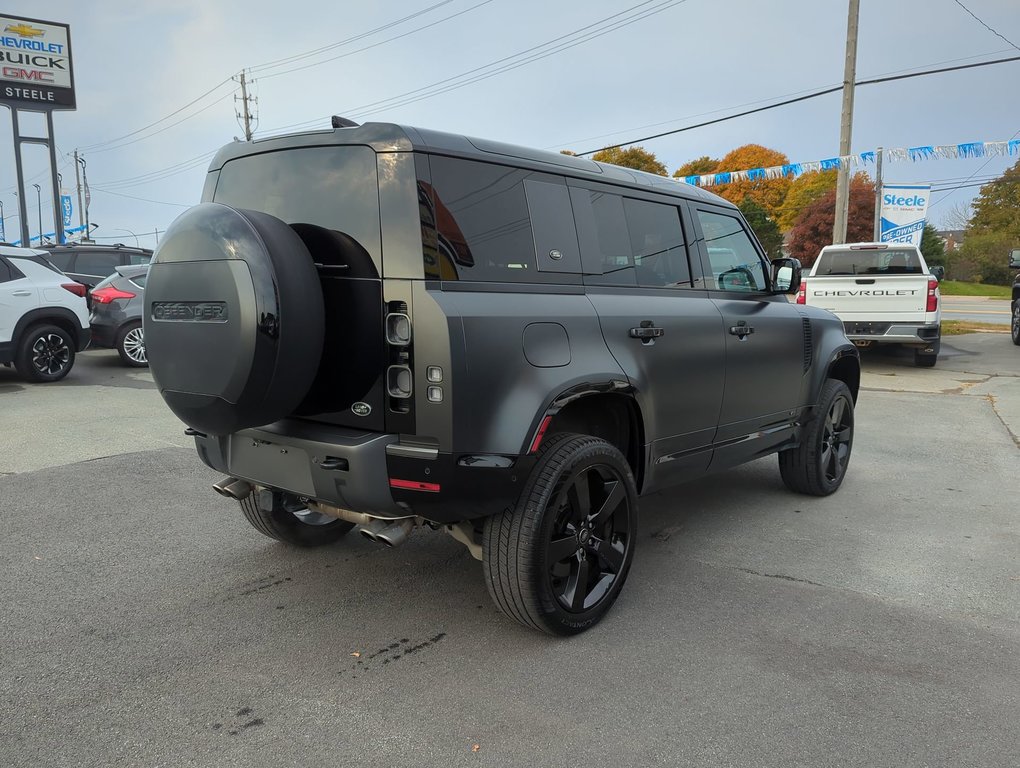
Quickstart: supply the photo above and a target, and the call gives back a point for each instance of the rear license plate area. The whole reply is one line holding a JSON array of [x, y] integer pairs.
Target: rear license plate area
[[279, 466]]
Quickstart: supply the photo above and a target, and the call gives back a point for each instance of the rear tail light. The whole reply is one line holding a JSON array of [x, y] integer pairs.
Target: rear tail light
[[108, 294], [933, 296], [76, 288], [802, 293]]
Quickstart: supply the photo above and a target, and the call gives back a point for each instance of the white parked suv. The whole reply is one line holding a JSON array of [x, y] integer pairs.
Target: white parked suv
[[44, 320]]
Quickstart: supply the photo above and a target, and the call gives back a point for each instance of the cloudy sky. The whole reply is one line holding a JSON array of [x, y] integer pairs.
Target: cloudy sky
[[156, 99]]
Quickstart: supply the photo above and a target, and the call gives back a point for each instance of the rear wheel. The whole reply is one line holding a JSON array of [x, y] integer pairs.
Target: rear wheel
[[131, 346], [290, 521], [1014, 327], [817, 466], [46, 353], [558, 560]]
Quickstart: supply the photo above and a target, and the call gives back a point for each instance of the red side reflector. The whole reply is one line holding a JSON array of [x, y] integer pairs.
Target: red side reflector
[[76, 288], [414, 485], [540, 434]]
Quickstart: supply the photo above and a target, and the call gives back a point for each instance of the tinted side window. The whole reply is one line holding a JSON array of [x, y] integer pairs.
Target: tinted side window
[[602, 234], [482, 223], [96, 264], [139, 258], [660, 258], [736, 265], [61, 260], [5, 272]]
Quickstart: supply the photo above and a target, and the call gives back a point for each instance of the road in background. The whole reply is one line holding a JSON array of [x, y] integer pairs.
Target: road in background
[[976, 308], [146, 623]]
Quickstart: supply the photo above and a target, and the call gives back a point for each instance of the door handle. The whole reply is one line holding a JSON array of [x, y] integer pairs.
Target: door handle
[[646, 332], [741, 329], [21, 293]]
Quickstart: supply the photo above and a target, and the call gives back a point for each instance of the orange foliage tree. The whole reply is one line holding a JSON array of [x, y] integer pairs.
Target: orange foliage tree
[[699, 167], [813, 230], [768, 193], [638, 158]]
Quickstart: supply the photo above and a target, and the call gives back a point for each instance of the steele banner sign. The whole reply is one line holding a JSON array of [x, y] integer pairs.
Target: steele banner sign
[[35, 64]]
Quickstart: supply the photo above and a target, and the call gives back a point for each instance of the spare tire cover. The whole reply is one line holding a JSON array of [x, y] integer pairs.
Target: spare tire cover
[[233, 318]]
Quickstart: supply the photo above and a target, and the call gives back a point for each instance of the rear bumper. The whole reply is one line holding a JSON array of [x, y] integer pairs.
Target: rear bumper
[[104, 336], [369, 472], [917, 334]]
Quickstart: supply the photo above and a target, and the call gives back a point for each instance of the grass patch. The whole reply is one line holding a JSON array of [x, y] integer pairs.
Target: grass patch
[[956, 288], [959, 327]]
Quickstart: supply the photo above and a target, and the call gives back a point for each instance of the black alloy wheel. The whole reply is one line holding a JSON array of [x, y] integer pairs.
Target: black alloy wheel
[[818, 465], [1014, 326], [558, 560], [46, 354]]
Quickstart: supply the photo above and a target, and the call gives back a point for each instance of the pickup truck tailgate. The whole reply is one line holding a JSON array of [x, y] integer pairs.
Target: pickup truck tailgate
[[890, 297]]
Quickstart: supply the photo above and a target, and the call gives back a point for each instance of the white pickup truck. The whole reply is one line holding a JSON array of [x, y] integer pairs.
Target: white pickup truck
[[883, 292]]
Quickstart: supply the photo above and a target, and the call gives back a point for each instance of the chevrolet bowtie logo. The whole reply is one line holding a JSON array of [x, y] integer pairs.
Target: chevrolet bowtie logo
[[24, 30]]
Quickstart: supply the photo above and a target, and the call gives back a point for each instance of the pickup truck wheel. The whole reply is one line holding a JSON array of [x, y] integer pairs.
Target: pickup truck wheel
[[817, 466], [1014, 326], [558, 560], [46, 353], [292, 523]]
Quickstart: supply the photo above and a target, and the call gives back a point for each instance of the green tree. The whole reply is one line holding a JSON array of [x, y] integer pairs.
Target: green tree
[[637, 158], [764, 227], [699, 167], [994, 229], [933, 248], [804, 190]]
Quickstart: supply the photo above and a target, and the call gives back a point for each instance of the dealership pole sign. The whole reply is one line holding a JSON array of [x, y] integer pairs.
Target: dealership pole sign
[[903, 212], [35, 64]]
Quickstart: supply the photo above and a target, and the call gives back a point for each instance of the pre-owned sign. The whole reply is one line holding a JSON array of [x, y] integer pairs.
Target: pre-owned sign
[[35, 64]]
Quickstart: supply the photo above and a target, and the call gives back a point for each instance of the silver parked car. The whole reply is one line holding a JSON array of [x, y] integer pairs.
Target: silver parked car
[[117, 314]]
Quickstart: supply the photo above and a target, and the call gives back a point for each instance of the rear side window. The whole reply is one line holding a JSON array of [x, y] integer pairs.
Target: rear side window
[[736, 265], [61, 260], [137, 259], [96, 264], [5, 272], [482, 222], [139, 280]]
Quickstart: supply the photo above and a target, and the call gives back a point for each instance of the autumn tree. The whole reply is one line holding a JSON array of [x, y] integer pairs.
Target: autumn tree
[[768, 193], [804, 190], [994, 228], [813, 230], [765, 227], [637, 158], [699, 167]]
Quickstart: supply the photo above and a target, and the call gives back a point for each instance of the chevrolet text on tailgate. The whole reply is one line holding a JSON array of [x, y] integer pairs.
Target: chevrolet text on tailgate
[[883, 293], [399, 329]]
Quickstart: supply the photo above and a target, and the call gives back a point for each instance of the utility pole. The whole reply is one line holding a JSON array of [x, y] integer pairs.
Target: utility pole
[[878, 194], [77, 186], [245, 112], [846, 125]]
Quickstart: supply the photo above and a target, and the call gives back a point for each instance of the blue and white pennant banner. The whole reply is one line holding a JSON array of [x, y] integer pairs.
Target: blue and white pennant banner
[[901, 154]]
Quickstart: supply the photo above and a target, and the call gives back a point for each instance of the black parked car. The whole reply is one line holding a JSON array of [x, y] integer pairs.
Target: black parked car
[[398, 328], [1014, 326], [116, 317], [88, 263]]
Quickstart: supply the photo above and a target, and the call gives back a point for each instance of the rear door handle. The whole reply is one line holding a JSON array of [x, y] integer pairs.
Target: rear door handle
[[21, 293], [646, 332], [741, 329]]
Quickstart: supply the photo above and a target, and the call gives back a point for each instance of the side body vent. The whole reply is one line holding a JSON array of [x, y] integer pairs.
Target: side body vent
[[809, 344]]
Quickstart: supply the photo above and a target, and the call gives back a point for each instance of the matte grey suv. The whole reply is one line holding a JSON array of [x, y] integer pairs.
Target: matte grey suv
[[396, 328]]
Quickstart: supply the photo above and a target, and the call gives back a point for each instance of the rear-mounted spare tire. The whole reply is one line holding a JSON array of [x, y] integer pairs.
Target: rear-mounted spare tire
[[233, 318]]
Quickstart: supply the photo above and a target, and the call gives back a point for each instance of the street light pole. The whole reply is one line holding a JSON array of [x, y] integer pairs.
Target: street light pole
[[38, 197], [121, 229]]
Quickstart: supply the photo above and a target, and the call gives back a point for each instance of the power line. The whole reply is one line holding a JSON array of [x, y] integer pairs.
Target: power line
[[133, 197], [980, 168], [814, 95], [208, 106], [983, 24]]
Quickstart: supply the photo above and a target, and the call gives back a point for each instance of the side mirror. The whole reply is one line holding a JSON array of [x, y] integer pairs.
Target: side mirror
[[1014, 258], [938, 271], [786, 275]]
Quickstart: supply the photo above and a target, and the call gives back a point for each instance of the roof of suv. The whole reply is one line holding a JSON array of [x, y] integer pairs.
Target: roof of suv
[[388, 137]]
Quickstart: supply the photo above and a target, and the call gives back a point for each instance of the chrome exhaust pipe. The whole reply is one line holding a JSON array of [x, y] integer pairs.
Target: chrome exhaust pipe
[[233, 488], [396, 533], [372, 529]]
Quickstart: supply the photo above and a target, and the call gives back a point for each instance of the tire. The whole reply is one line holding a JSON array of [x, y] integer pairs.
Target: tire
[[818, 465], [131, 345], [45, 354], [284, 522], [1014, 326], [575, 523]]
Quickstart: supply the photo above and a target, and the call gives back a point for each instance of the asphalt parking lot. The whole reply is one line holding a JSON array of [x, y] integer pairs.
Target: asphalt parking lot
[[146, 624]]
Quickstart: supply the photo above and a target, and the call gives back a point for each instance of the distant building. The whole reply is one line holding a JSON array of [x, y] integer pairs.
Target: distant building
[[953, 238]]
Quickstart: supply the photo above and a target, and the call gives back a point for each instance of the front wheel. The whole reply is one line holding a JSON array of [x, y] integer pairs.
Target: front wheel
[[557, 561], [292, 522], [1014, 326], [46, 353], [131, 346], [818, 465]]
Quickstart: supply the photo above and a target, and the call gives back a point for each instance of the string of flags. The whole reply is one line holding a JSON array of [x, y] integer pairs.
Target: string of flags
[[900, 154]]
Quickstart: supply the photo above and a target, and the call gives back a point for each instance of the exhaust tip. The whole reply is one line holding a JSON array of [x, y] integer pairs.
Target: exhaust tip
[[395, 534], [372, 530], [233, 488]]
